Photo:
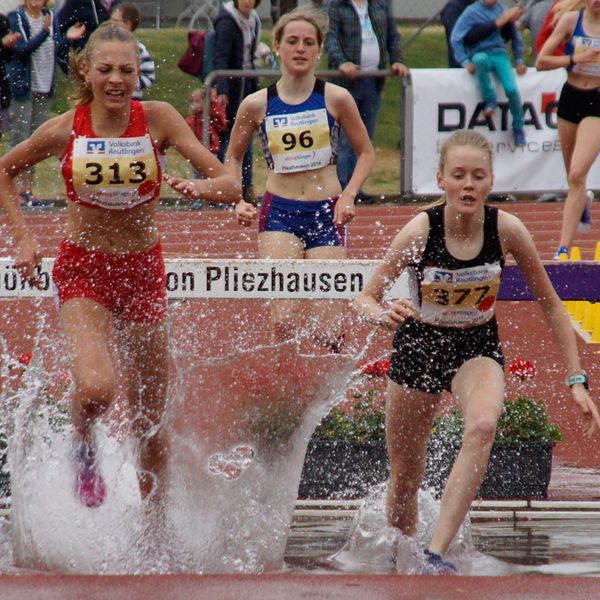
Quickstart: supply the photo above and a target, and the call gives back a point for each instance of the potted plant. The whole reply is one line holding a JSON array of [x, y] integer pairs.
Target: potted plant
[[347, 455]]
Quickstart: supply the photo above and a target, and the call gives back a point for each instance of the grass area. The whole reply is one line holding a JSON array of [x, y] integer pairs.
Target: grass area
[[174, 86]]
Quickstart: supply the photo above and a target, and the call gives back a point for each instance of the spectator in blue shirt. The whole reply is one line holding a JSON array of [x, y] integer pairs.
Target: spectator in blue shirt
[[489, 55]]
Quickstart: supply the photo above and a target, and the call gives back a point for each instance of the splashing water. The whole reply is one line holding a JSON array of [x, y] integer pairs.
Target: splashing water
[[376, 547], [241, 413]]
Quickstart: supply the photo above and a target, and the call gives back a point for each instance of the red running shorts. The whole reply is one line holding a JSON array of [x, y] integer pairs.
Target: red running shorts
[[131, 286]]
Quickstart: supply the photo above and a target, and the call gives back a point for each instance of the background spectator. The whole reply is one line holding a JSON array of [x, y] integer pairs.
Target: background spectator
[[217, 118], [217, 123], [533, 19], [449, 16], [8, 39], [237, 31], [454, 8], [489, 55], [128, 15], [31, 77], [85, 15], [362, 36]]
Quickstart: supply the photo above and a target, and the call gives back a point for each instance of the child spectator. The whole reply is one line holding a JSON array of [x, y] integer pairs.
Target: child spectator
[[217, 119], [217, 123], [8, 39], [488, 55], [128, 16]]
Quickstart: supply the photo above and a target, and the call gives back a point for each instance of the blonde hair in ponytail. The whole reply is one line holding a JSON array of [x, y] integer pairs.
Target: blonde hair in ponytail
[[107, 32]]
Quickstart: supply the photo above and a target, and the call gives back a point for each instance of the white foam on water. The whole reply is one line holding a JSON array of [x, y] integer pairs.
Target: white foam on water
[[374, 546], [52, 529]]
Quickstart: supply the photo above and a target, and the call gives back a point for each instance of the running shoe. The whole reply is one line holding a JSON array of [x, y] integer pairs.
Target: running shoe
[[435, 565], [562, 253], [585, 223], [489, 108], [89, 485], [519, 137]]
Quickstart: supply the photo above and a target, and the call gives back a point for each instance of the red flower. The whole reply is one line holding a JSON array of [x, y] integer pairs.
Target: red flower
[[521, 369], [24, 358], [379, 368]]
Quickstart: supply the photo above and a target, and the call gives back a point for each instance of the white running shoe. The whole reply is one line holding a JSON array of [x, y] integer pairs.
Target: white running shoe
[[585, 223]]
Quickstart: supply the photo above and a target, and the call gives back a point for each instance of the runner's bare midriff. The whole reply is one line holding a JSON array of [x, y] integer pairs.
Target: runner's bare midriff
[[112, 231], [319, 184]]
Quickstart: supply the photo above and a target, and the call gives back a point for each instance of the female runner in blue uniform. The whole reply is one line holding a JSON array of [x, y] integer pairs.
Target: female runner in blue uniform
[[109, 272], [578, 110], [304, 212], [447, 339]]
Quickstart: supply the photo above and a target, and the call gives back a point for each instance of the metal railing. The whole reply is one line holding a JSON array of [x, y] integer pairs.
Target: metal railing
[[148, 7], [197, 10]]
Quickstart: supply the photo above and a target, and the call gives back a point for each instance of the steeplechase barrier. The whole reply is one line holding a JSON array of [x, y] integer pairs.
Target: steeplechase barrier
[[307, 279]]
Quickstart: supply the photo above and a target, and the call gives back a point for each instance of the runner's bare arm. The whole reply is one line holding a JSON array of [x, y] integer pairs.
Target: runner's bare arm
[[50, 139], [564, 29], [344, 109], [407, 246], [518, 241], [170, 130], [247, 120]]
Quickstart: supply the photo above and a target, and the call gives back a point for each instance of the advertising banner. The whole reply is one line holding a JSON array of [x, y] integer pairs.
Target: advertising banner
[[439, 101]]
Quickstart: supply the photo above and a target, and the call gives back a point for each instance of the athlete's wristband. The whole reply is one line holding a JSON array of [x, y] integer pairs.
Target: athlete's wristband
[[581, 378], [571, 62]]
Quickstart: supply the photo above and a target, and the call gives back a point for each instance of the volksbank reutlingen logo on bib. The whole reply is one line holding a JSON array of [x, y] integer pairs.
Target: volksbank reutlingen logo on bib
[[442, 276], [96, 147], [280, 121]]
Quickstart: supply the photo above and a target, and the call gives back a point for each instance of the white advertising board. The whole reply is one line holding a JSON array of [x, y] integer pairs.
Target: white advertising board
[[439, 101]]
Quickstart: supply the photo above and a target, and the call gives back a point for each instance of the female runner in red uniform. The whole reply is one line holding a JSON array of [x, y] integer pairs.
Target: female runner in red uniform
[[109, 272]]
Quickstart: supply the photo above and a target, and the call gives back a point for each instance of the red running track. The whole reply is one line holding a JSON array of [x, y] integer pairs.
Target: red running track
[[294, 587], [215, 233]]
